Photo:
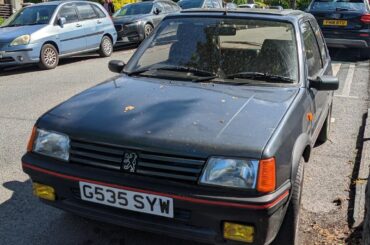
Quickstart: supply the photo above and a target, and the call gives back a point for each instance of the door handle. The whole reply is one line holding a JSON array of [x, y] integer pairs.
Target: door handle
[[99, 21], [78, 25]]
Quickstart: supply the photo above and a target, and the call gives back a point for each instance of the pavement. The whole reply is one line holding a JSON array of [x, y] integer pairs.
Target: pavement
[[26, 93]]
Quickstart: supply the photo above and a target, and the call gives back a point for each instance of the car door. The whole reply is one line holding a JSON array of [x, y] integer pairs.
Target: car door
[[91, 25], [70, 35], [315, 67]]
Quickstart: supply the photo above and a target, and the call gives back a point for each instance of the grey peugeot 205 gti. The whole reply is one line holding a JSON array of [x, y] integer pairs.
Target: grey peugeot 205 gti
[[204, 134]]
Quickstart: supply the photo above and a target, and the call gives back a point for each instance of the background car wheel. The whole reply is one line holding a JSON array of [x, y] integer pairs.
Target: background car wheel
[[288, 234], [106, 47], [325, 131], [148, 28], [49, 57]]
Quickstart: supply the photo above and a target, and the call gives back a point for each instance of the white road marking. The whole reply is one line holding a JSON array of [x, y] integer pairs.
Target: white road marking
[[336, 68], [348, 81]]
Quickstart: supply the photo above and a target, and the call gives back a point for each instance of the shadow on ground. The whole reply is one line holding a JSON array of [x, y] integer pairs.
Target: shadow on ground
[[26, 220]]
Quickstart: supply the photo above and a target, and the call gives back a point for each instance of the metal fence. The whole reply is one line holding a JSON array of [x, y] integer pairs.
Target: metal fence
[[5, 10]]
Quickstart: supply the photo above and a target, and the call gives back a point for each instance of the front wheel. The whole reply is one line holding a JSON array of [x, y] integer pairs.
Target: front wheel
[[106, 47], [288, 234], [148, 28], [49, 57]]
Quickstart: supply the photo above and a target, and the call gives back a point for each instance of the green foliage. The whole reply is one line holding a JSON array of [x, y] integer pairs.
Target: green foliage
[[1, 20]]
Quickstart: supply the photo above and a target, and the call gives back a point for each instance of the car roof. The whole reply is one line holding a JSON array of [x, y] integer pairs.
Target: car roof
[[60, 2], [271, 12]]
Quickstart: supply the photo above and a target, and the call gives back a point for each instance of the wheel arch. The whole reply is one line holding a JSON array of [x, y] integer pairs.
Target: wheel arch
[[52, 43], [302, 148], [108, 35]]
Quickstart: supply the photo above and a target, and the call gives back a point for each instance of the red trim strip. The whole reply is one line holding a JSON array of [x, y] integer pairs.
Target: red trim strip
[[182, 198]]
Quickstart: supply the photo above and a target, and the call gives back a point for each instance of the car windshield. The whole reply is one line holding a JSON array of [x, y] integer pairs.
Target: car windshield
[[34, 15], [134, 9], [188, 4], [324, 5], [224, 48]]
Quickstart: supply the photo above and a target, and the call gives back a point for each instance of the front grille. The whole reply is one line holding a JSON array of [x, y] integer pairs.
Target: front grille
[[6, 59], [148, 163]]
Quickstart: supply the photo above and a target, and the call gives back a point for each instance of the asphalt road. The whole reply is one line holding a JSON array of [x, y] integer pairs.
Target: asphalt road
[[26, 93]]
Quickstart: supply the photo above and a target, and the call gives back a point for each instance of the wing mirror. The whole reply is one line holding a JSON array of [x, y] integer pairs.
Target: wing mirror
[[62, 21], [324, 83], [156, 11], [116, 66]]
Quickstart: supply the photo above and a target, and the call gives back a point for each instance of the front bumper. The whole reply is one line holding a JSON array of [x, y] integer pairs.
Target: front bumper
[[196, 217], [347, 38], [346, 43], [18, 55], [129, 33]]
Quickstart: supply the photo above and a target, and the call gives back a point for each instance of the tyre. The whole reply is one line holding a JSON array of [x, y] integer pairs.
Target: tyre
[[106, 47], [148, 28], [288, 234], [325, 131], [49, 57]]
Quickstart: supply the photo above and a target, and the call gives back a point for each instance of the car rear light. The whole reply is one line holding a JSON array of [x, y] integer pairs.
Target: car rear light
[[366, 18]]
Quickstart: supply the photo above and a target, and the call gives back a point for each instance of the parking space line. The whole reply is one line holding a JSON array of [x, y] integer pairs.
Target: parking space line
[[336, 68], [348, 81]]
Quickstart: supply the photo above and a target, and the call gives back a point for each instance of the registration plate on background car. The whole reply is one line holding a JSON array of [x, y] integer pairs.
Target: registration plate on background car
[[130, 200], [335, 23]]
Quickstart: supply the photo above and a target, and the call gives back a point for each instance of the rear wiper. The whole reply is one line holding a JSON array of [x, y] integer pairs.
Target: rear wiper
[[260, 76], [192, 70]]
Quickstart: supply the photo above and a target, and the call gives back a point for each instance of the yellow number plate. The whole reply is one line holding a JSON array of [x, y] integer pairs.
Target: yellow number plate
[[335, 23]]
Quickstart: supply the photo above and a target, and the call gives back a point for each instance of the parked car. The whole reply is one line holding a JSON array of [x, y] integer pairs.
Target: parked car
[[203, 135], [208, 4], [134, 22], [231, 6], [278, 7], [43, 33], [343, 23], [249, 6]]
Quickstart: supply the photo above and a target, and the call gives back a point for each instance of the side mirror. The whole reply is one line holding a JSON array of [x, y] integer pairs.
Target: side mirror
[[324, 83], [156, 11], [116, 66], [61, 21]]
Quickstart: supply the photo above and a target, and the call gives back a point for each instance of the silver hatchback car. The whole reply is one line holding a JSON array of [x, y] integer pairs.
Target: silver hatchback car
[[43, 33]]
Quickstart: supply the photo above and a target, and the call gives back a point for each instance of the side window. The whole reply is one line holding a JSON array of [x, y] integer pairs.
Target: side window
[[86, 12], [68, 11], [208, 4], [320, 40], [216, 4], [312, 52], [98, 11]]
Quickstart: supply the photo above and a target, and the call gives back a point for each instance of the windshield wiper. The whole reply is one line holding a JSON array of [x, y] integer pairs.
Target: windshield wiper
[[260, 76], [195, 71]]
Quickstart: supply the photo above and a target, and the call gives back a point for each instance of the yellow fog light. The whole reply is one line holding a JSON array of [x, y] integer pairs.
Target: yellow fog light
[[238, 232], [43, 191]]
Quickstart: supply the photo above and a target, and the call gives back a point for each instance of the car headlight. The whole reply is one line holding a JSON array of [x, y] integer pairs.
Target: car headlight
[[21, 40], [51, 144], [239, 173]]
